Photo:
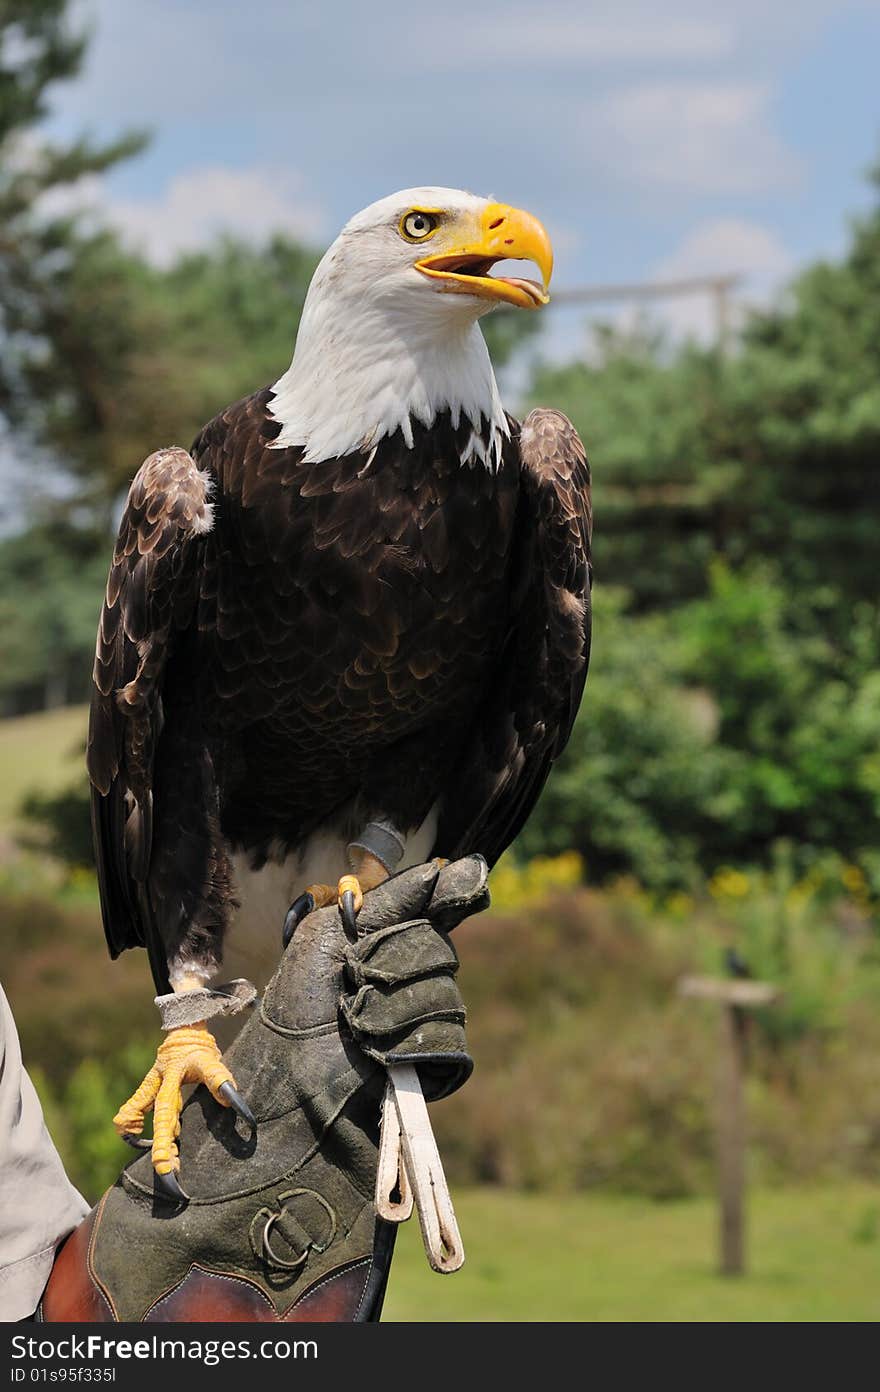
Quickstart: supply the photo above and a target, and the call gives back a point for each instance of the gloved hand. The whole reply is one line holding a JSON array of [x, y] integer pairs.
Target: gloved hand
[[399, 997], [280, 1222]]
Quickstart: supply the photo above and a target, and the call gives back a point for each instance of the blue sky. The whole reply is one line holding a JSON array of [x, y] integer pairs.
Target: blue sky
[[654, 141]]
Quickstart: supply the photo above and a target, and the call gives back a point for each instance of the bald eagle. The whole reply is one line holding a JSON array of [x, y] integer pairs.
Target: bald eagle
[[349, 630]]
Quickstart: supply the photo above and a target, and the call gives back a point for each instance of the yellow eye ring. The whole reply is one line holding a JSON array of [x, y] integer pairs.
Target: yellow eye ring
[[418, 224]]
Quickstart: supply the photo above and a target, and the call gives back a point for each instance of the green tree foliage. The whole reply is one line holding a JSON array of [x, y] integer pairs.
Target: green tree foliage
[[632, 790], [38, 250], [737, 502], [798, 719], [648, 419], [773, 451], [714, 732], [143, 357], [51, 581], [812, 368]]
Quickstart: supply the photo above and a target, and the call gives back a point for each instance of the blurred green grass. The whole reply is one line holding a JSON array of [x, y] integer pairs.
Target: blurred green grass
[[815, 1256], [42, 753]]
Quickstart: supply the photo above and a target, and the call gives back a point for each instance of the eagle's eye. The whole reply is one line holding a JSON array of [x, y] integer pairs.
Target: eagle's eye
[[416, 226]]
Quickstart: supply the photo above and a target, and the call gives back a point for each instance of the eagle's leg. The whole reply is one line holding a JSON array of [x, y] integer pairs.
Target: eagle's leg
[[348, 893], [189, 870], [370, 871], [188, 1054], [373, 857]]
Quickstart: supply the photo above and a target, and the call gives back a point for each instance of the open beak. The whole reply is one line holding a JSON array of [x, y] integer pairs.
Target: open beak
[[504, 234]]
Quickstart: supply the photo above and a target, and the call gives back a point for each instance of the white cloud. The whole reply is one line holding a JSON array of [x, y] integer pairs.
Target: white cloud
[[198, 205], [720, 246], [727, 244], [566, 39], [709, 138]]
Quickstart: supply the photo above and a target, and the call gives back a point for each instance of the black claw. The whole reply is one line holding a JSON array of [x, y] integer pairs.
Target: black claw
[[169, 1185], [349, 914], [299, 909], [136, 1142], [238, 1104]]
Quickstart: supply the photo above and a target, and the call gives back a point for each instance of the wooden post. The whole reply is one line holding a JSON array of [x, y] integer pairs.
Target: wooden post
[[720, 289], [731, 1133], [735, 998]]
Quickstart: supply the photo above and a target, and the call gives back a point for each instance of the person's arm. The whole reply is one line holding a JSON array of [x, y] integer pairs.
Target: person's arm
[[38, 1204]]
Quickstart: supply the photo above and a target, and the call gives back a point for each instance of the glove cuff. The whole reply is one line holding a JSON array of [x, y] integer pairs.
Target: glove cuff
[[379, 839], [189, 1007]]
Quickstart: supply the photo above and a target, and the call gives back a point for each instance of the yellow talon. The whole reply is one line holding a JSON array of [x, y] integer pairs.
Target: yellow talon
[[353, 884], [189, 1054], [324, 895], [370, 873]]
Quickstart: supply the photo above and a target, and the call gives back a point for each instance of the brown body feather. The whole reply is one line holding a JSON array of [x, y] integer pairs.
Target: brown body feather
[[388, 632]]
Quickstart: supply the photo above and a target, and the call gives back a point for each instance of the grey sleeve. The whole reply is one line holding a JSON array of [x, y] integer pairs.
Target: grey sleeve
[[38, 1204]]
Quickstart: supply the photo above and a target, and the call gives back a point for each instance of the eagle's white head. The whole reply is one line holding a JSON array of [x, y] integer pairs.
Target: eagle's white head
[[389, 332]]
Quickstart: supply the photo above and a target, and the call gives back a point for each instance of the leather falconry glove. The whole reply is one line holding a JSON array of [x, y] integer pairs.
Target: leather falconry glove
[[280, 1222]]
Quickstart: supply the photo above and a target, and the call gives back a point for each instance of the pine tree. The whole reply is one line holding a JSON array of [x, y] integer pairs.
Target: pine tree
[[39, 250]]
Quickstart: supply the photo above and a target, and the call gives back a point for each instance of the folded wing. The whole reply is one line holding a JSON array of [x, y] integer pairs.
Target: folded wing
[[150, 598], [528, 711]]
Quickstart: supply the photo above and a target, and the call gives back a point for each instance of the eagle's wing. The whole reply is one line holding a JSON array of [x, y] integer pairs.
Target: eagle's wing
[[526, 718], [151, 593]]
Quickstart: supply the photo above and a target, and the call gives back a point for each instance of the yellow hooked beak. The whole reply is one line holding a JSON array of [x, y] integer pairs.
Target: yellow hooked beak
[[502, 233]]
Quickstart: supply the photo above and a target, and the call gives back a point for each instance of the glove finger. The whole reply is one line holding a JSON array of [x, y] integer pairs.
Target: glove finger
[[379, 1012], [402, 897], [462, 889], [403, 952], [445, 896]]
